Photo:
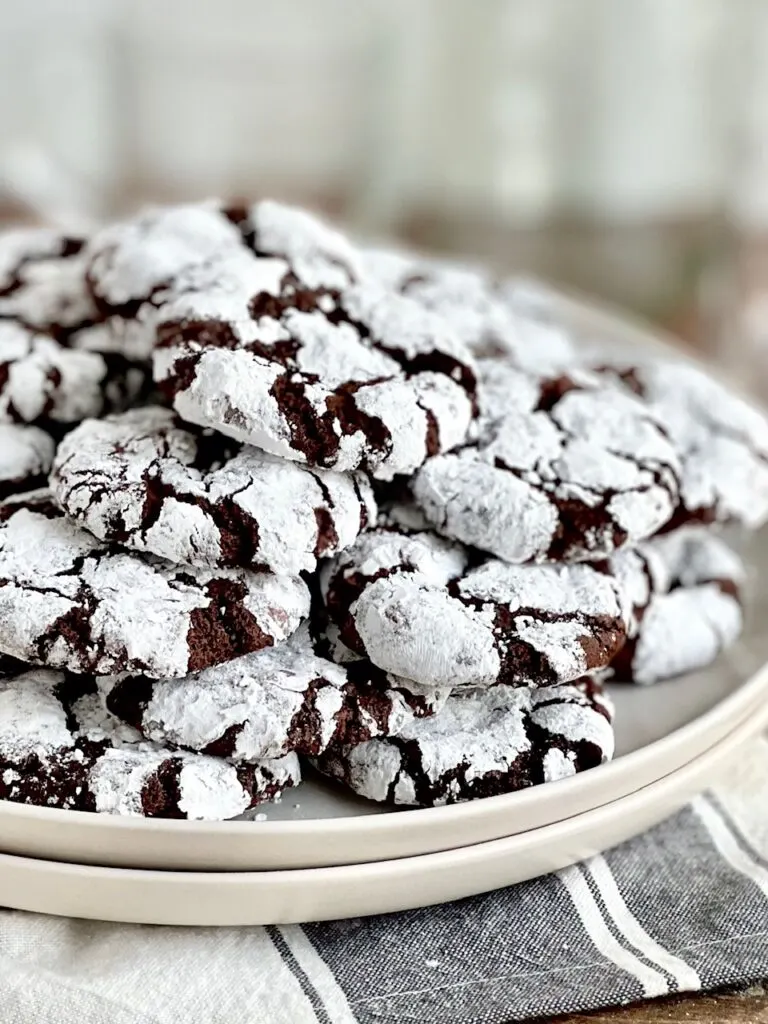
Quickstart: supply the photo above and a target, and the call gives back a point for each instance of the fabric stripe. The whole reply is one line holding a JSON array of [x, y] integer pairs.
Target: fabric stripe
[[736, 827], [295, 968], [653, 983], [728, 846], [687, 895], [332, 1001], [684, 976], [741, 794], [511, 954], [613, 927]]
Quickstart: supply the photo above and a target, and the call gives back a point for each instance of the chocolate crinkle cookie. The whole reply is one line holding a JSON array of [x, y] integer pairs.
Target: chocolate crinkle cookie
[[135, 266], [640, 573], [59, 359], [481, 744], [562, 469], [59, 747], [146, 480], [721, 440], [42, 282], [67, 600], [487, 315], [264, 705], [423, 607], [690, 611], [285, 343], [45, 383], [132, 267], [26, 454]]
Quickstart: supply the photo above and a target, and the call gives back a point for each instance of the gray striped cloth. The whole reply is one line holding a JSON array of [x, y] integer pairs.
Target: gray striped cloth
[[681, 908]]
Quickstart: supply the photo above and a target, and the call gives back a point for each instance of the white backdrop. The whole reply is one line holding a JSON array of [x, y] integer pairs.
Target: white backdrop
[[631, 109]]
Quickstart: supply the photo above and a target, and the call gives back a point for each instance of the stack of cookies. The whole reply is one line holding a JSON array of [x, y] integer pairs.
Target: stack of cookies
[[272, 501]]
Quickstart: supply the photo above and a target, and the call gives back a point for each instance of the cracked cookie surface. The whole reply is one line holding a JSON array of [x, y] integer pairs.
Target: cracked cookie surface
[[563, 469], [286, 344], [481, 744], [69, 601], [491, 318], [59, 747], [266, 704], [145, 480], [420, 606]]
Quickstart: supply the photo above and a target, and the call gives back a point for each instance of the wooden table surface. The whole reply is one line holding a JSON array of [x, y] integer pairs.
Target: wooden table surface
[[747, 1007]]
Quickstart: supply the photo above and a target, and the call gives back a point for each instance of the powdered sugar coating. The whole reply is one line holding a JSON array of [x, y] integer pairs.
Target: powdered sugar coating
[[563, 469], [145, 480], [722, 442], [640, 573], [267, 704], [482, 743], [43, 381], [320, 256], [59, 747], [412, 603], [286, 350], [694, 613], [69, 601], [21, 248], [482, 312], [26, 454]]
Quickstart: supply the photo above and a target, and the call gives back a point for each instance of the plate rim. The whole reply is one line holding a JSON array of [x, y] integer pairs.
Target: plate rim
[[666, 794], [742, 699]]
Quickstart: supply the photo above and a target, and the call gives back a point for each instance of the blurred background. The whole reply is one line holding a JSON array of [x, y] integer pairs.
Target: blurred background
[[620, 148]]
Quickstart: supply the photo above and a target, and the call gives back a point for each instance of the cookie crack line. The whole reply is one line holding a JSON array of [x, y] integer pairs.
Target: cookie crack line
[[233, 523]]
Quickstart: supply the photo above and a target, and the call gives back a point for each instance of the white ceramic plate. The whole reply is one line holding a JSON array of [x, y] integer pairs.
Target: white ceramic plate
[[658, 730], [317, 894]]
